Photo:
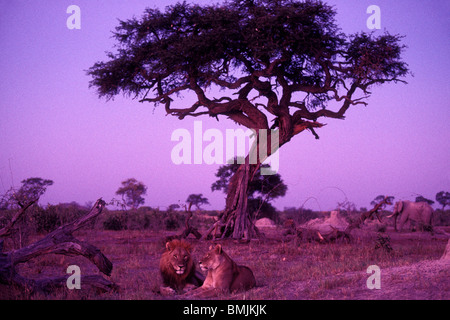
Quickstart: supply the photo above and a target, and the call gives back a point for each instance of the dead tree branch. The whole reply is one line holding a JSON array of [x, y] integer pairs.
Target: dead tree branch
[[367, 215], [6, 231], [60, 241], [188, 228], [314, 234]]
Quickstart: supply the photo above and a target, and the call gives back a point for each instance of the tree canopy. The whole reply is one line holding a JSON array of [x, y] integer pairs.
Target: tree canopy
[[132, 192], [289, 53], [197, 200], [262, 189], [443, 197], [421, 198], [268, 186], [274, 64], [30, 191], [381, 198]]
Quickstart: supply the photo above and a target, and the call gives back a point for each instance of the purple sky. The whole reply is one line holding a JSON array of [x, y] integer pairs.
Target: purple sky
[[53, 126]]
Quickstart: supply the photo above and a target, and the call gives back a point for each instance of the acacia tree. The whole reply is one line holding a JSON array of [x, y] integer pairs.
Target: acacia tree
[[132, 192], [421, 198], [273, 60], [382, 199], [261, 190], [197, 200], [443, 198], [30, 192]]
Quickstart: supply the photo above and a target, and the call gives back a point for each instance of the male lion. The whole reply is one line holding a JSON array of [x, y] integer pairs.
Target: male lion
[[224, 275], [178, 269]]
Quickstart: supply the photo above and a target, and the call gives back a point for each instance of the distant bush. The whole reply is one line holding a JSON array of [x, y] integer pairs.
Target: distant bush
[[115, 221], [264, 209], [140, 219], [441, 218], [45, 220], [172, 221], [67, 212], [300, 215], [144, 218]]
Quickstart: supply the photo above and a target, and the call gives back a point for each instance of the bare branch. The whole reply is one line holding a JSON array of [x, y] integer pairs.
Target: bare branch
[[6, 231], [60, 241]]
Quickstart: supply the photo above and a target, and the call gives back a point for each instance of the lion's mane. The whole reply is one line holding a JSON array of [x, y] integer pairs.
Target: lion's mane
[[169, 275]]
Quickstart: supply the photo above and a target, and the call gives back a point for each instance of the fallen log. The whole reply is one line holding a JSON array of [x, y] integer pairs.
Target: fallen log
[[60, 241], [336, 235], [367, 215]]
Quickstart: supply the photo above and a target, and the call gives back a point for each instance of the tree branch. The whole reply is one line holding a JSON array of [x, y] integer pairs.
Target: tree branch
[[6, 231], [368, 214], [60, 241]]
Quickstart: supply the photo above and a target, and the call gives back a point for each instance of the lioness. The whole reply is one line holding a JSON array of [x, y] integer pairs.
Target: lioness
[[177, 268], [224, 275]]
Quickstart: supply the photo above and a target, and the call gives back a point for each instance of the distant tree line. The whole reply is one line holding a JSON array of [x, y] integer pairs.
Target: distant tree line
[[262, 190]]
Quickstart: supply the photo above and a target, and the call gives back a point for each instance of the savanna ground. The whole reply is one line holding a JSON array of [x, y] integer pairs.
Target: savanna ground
[[285, 268]]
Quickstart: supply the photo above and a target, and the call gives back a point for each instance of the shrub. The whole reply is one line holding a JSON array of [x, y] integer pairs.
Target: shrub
[[384, 242], [441, 218], [115, 221], [264, 209], [139, 220], [172, 221], [45, 220], [300, 215], [67, 212]]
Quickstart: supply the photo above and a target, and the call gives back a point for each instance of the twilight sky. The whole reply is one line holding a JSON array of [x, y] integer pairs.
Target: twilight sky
[[54, 127]]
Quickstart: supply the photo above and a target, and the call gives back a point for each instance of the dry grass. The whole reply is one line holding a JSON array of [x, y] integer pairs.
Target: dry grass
[[284, 269]]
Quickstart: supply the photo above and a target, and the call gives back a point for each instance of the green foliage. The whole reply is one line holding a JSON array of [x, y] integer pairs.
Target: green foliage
[[193, 47], [442, 218], [423, 199], [173, 207], [285, 58], [266, 187], [380, 198], [197, 200], [263, 209], [31, 190], [115, 221], [140, 219], [384, 242], [143, 219], [261, 190], [172, 221], [67, 212], [300, 215], [443, 198], [45, 220], [132, 192]]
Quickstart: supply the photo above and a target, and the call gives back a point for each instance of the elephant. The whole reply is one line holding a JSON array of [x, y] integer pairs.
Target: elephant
[[419, 213]]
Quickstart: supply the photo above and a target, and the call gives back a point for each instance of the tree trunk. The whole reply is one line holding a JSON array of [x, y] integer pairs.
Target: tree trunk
[[237, 200], [188, 228], [236, 221]]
